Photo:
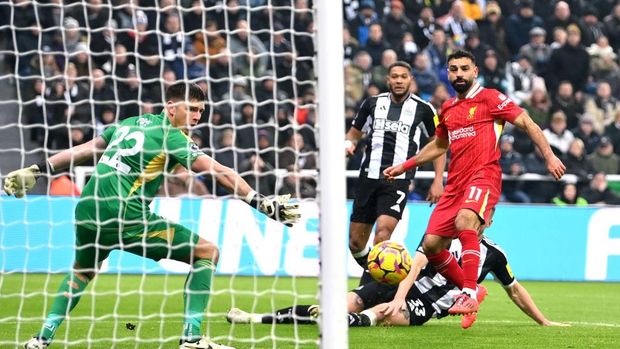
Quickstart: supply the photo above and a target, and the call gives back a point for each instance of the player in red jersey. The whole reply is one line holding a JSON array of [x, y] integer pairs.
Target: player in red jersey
[[470, 126]]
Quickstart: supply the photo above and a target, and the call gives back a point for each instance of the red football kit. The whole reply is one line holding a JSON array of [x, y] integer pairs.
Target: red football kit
[[473, 126]]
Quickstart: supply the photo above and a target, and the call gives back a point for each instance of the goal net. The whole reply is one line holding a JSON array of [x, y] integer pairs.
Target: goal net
[[70, 70]]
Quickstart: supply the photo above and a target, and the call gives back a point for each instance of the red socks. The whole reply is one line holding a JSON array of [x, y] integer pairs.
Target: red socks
[[470, 258], [446, 265]]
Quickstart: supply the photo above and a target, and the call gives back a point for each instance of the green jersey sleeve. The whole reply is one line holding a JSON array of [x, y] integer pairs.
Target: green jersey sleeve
[[181, 148], [108, 133]]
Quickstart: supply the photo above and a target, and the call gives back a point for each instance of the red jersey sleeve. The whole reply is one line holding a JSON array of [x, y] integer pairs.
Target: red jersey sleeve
[[502, 107]]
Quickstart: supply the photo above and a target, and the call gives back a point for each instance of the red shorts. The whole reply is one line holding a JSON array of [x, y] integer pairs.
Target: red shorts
[[480, 195]]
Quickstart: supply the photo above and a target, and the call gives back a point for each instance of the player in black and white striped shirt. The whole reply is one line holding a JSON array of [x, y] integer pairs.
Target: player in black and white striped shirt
[[393, 122], [430, 296]]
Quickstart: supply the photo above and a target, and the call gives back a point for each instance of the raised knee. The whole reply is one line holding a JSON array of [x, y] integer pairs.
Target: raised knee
[[206, 250]]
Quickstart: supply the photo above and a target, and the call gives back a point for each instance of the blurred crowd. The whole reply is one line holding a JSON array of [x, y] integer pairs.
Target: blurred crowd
[[81, 65]]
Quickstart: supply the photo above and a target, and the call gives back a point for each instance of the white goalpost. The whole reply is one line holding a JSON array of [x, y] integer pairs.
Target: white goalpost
[[272, 71]]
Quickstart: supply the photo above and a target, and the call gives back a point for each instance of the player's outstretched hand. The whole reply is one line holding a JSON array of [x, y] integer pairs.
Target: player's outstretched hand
[[349, 147], [394, 171], [556, 324], [392, 308], [555, 167], [280, 209], [21, 181]]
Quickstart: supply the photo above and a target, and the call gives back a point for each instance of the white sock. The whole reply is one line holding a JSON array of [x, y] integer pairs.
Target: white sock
[[256, 318], [470, 292], [361, 253], [371, 316]]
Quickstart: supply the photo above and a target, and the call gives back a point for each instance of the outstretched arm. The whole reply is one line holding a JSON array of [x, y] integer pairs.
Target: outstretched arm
[[351, 139], [392, 308], [519, 295], [277, 208], [19, 182], [554, 165], [430, 152]]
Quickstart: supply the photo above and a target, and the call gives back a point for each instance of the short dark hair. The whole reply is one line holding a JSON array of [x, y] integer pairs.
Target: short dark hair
[[400, 64], [461, 54], [181, 90]]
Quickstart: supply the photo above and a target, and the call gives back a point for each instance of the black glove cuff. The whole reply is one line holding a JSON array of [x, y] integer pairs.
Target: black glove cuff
[[45, 167]]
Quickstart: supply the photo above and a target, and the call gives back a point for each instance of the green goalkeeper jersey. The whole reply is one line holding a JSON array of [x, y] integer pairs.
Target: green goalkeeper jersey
[[128, 175]]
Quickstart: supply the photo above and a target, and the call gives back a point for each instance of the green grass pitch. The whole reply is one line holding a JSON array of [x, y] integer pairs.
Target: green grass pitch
[[593, 309]]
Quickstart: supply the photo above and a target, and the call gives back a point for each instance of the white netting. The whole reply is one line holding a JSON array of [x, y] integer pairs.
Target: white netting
[[70, 69]]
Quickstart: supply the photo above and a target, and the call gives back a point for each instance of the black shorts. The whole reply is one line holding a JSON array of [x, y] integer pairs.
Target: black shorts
[[375, 197], [420, 309]]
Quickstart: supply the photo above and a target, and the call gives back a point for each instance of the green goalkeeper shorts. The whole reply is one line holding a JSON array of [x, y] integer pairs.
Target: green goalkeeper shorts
[[157, 239]]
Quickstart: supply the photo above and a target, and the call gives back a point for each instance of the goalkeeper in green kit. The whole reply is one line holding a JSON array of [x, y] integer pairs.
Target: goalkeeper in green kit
[[113, 211]]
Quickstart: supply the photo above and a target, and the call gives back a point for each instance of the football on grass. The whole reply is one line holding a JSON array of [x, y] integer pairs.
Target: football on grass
[[389, 262]]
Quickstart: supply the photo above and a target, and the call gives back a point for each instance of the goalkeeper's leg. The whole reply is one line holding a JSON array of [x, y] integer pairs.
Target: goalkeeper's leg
[[88, 254], [170, 240]]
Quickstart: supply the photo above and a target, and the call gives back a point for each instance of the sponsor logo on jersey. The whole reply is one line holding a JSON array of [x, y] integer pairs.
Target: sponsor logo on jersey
[[472, 111], [505, 102], [143, 122], [392, 126], [463, 132]]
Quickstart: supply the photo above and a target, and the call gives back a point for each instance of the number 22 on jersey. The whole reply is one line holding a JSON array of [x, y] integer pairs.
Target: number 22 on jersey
[[116, 160]]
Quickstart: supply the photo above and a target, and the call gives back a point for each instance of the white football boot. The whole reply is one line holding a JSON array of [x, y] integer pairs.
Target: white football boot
[[238, 316], [203, 343], [35, 343]]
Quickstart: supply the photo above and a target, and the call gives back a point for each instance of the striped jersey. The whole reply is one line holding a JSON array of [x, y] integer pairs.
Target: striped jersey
[[130, 171], [393, 131], [440, 293], [473, 126]]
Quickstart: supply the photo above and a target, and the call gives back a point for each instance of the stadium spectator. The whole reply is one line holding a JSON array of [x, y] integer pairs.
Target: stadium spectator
[[424, 77], [576, 161], [102, 43], [561, 18], [558, 136], [569, 196], [424, 27], [408, 49], [358, 76], [474, 45], [602, 59], [209, 42], [538, 106], [173, 44], [603, 107], [612, 27], [613, 132], [587, 134], [492, 30], [360, 25], [520, 80], [128, 94], [231, 111], [591, 28], [376, 44], [102, 94], [604, 159], [351, 46], [492, 74], [395, 23], [519, 25], [457, 25], [440, 95], [537, 51], [565, 100], [560, 36], [570, 62], [379, 72], [538, 191], [249, 53], [512, 164], [598, 193], [119, 64], [438, 51]]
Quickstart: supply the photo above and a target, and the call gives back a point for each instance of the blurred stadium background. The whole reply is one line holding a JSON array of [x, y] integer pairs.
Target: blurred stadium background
[[69, 68]]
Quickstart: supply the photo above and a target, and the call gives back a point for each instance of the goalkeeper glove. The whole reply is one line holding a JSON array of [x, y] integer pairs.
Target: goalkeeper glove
[[21, 181], [279, 208]]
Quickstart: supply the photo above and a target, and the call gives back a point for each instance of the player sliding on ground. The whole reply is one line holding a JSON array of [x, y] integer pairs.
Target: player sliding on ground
[[113, 211], [430, 296], [470, 126]]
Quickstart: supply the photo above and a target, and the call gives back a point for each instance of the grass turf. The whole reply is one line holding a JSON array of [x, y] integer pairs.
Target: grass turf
[[592, 309]]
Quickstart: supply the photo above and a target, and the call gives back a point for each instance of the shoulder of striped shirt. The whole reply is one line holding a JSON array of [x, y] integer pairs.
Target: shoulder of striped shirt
[[420, 100]]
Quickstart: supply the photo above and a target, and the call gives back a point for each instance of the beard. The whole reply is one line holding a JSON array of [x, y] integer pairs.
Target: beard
[[460, 87], [400, 95]]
